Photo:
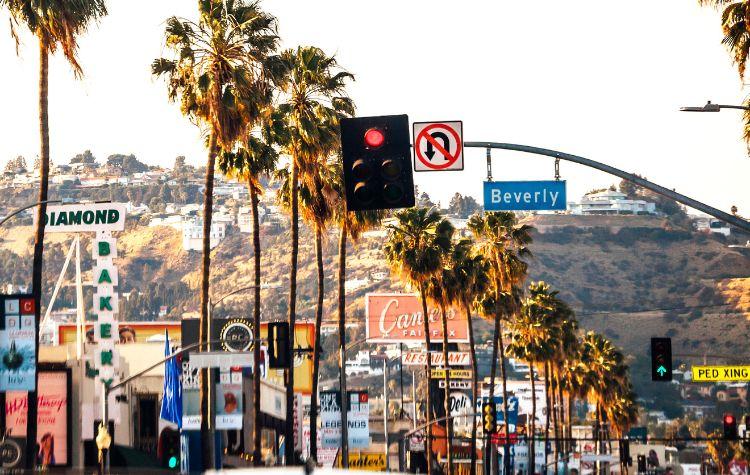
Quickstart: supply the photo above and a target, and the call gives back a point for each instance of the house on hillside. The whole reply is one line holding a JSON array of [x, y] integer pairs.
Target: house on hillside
[[610, 202], [192, 233], [707, 224]]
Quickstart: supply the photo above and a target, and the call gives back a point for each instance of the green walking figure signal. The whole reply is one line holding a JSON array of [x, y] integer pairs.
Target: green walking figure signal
[[661, 359]]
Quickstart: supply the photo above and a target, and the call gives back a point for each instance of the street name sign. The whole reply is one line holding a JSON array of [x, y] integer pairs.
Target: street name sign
[[438, 146], [221, 359], [456, 384], [524, 195], [86, 217], [419, 358], [438, 373], [721, 373]]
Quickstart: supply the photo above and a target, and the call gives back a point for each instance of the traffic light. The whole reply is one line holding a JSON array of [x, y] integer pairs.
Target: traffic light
[[489, 418], [745, 436], [661, 359], [376, 152], [730, 427], [278, 345], [169, 449]]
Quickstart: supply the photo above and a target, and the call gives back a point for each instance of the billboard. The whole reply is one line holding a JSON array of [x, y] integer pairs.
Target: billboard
[[18, 338], [53, 417], [397, 318], [128, 332], [358, 419]]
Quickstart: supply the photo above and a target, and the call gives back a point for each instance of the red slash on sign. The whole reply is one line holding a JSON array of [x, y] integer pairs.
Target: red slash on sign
[[438, 146]]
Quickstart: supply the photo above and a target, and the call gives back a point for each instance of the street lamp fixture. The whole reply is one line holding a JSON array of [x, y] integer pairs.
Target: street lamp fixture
[[711, 107]]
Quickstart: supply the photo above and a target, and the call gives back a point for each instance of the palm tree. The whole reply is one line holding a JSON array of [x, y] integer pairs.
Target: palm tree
[[438, 292], [352, 224], [467, 281], [218, 73], [314, 98], [252, 161], [504, 243], [736, 29], [317, 208], [416, 247], [533, 339], [56, 24]]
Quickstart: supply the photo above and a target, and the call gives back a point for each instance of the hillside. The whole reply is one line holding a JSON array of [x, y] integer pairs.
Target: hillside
[[627, 282]]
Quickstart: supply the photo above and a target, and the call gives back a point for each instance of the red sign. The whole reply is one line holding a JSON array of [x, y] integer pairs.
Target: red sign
[[438, 146], [419, 358], [395, 318], [499, 438]]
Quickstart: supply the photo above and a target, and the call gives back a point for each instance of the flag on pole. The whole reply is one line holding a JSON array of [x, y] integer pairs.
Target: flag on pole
[[171, 403]]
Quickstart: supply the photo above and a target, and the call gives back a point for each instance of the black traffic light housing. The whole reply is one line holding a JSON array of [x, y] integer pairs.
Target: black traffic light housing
[[376, 153], [661, 359], [169, 449], [730, 426], [278, 345], [489, 418]]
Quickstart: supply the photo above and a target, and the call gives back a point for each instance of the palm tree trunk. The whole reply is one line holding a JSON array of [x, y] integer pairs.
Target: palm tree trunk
[[205, 324], [532, 424], [548, 402], [493, 370], [447, 379], [289, 436], [428, 410], [571, 402], [474, 388], [37, 266], [504, 376], [553, 397], [316, 350], [342, 345], [257, 430]]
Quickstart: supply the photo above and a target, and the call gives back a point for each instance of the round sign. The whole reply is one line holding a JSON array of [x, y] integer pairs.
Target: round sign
[[236, 335], [11, 453]]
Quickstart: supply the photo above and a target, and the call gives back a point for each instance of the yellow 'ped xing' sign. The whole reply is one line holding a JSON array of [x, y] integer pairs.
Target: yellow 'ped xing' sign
[[721, 373]]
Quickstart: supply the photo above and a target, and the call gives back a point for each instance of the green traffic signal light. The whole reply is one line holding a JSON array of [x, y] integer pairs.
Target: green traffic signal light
[[173, 462]]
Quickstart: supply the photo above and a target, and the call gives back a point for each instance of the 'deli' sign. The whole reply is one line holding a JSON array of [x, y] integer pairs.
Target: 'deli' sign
[[86, 217]]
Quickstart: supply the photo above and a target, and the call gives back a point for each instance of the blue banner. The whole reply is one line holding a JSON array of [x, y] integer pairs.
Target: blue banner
[[524, 195], [171, 404]]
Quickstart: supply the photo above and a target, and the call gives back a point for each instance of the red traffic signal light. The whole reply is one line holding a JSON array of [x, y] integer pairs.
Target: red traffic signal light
[[730, 427], [374, 138], [376, 154]]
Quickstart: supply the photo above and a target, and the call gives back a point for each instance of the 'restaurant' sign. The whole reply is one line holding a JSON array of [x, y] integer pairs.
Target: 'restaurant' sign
[[88, 217], [419, 358], [396, 318]]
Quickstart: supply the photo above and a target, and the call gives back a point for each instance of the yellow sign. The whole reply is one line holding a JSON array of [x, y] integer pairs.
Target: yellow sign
[[438, 373], [721, 373], [367, 461]]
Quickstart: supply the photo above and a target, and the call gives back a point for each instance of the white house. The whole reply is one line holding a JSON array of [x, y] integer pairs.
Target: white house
[[352, 285], [192, 233], [245, 218], [707, 224], [610, 202]]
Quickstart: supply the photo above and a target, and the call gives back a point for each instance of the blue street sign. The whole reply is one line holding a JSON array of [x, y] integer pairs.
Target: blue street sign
[[524, 195]]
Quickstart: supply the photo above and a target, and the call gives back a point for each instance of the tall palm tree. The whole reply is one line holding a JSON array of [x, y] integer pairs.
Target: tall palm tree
[[466, 283], [56, 24], [314, 96], [416, 247], [438, 292], [317, 203], [255, 159], [218, 73], [351, 226], [504, 242], [533, 339]]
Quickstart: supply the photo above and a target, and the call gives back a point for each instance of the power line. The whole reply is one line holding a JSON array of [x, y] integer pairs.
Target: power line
[[661, 309]]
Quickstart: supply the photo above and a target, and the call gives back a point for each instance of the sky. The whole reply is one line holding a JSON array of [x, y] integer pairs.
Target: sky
[[603, 80]]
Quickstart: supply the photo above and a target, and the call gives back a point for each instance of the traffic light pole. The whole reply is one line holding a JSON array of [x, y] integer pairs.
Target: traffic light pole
[[671, 194]]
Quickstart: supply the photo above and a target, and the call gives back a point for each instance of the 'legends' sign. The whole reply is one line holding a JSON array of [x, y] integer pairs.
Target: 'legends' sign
[[89, 217]]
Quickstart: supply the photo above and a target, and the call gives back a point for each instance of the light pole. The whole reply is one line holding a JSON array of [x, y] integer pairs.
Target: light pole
[[711, 107], [24, 208]]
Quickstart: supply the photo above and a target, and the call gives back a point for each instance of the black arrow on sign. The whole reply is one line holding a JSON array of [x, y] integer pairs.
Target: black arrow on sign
[[446, 144]]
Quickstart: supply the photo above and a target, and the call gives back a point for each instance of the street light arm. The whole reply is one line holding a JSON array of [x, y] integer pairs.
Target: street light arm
[[234, 292], [20, 210], [723, 216]]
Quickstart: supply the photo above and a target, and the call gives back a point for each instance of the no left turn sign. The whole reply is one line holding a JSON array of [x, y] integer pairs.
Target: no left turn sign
[[438, 146]]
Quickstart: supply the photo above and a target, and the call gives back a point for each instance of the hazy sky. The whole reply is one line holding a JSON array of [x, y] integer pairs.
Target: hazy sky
[[599, 79]]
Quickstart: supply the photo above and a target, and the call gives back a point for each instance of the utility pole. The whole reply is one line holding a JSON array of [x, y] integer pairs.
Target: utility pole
[[385, 408]]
